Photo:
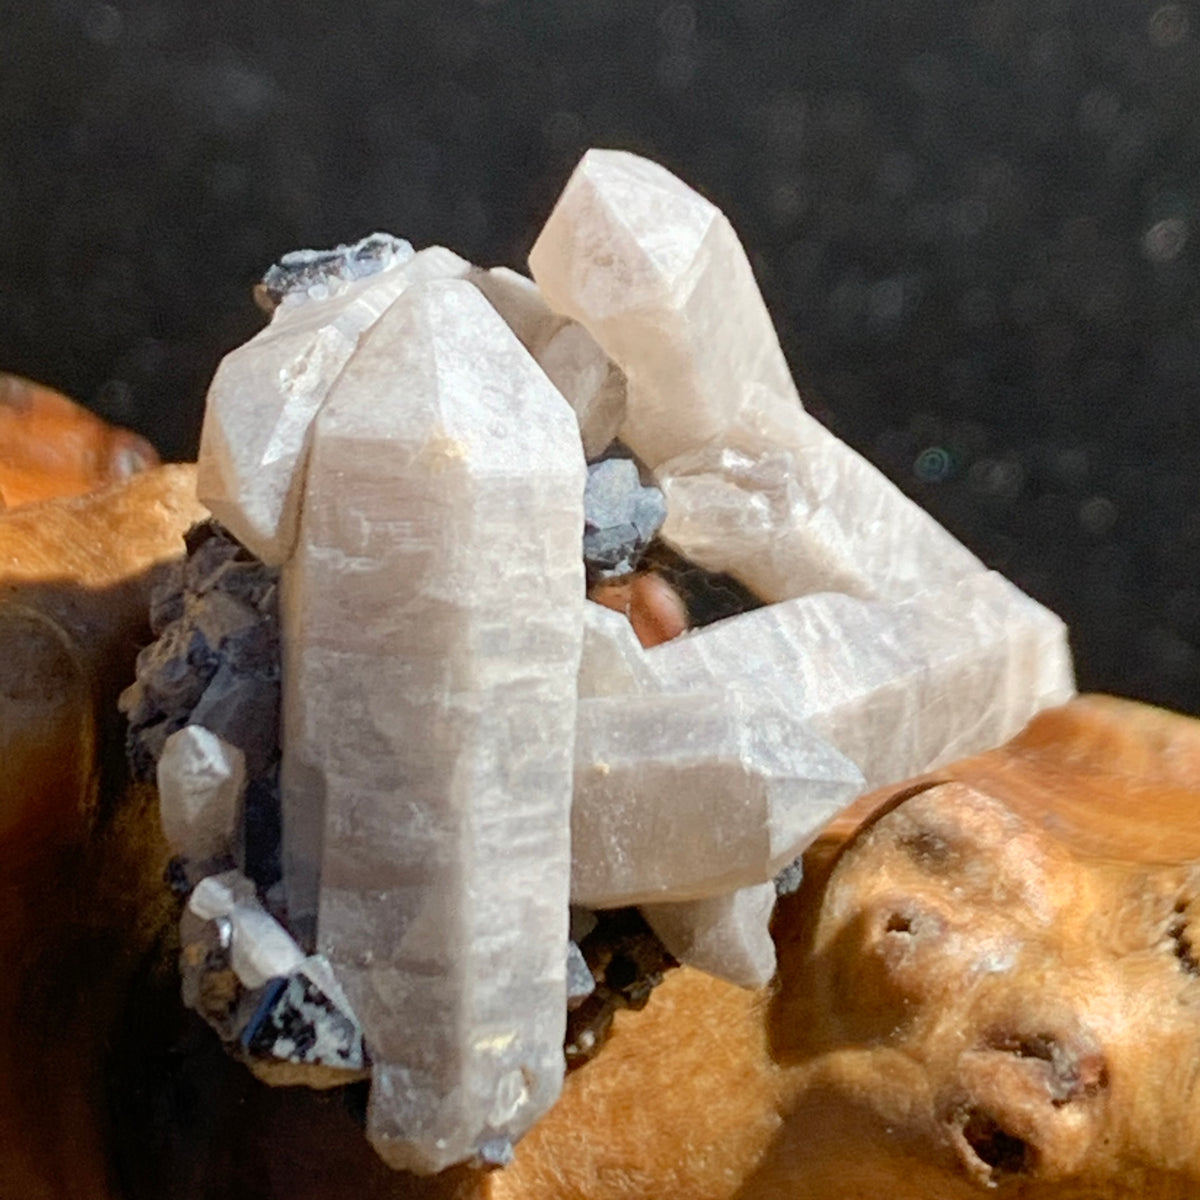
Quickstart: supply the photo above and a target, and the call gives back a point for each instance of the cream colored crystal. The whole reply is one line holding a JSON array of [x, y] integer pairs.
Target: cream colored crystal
[[589, 380], [727, 936], [754, 485], [898, 688], [679, 797], [517, 299], [200, 782], [265, 394], [613, 662], [592, 383], [432, 621]]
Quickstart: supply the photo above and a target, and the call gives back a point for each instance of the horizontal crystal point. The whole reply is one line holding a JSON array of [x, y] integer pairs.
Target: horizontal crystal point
[[517, 299], [755, 487], [727, 936], [200, 783], [432, 619], [230, 946], [591, 382], [265, 394], [898, 688], [678, 797]]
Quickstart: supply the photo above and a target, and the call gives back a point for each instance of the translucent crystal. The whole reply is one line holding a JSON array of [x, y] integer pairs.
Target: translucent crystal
[[200, 783], [259, 947], [432, 629], [592, 383], [266, 393], [755, 487], [678, 797], [589, 380], [728, 936], [613, 662], [517, 299], [898, 688]]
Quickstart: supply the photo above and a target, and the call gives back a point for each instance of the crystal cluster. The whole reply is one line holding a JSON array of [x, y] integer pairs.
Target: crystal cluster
[[430, 452]]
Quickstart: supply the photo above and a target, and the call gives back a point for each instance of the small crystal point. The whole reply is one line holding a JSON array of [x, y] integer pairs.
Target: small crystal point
[[727, 936], [266, 393], [200, 784], [679, 797], [428, 737]]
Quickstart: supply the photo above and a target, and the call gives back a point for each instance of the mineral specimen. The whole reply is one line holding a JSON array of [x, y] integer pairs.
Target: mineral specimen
[[726, 935], [200, 783], [467, 742], [317, 274], [620, 517], [303, 1030], [216, 660], [755, 487], [432, 627], [679, 797], [265, 394]]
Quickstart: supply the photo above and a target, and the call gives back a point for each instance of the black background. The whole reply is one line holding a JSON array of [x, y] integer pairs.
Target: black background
[[974, 222]]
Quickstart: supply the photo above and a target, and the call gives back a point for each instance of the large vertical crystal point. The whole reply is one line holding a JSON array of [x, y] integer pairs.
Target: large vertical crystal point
[[754, 485], [686, 796], [266, 393], [898, 688], [432, 629]]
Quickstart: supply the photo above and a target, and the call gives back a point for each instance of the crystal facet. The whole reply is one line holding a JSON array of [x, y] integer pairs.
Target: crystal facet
[[432, 630], [727, 936], [200, 782], [679, 797], [589, 380], [898, 688]]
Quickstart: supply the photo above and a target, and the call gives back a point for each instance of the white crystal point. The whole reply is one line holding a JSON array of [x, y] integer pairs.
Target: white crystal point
[[613, 662], [200, 783], [727, 936], [259, 947], [658, 277], [432, 621], [265, 394], [755, 487], [898, 688], [678, 797]]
